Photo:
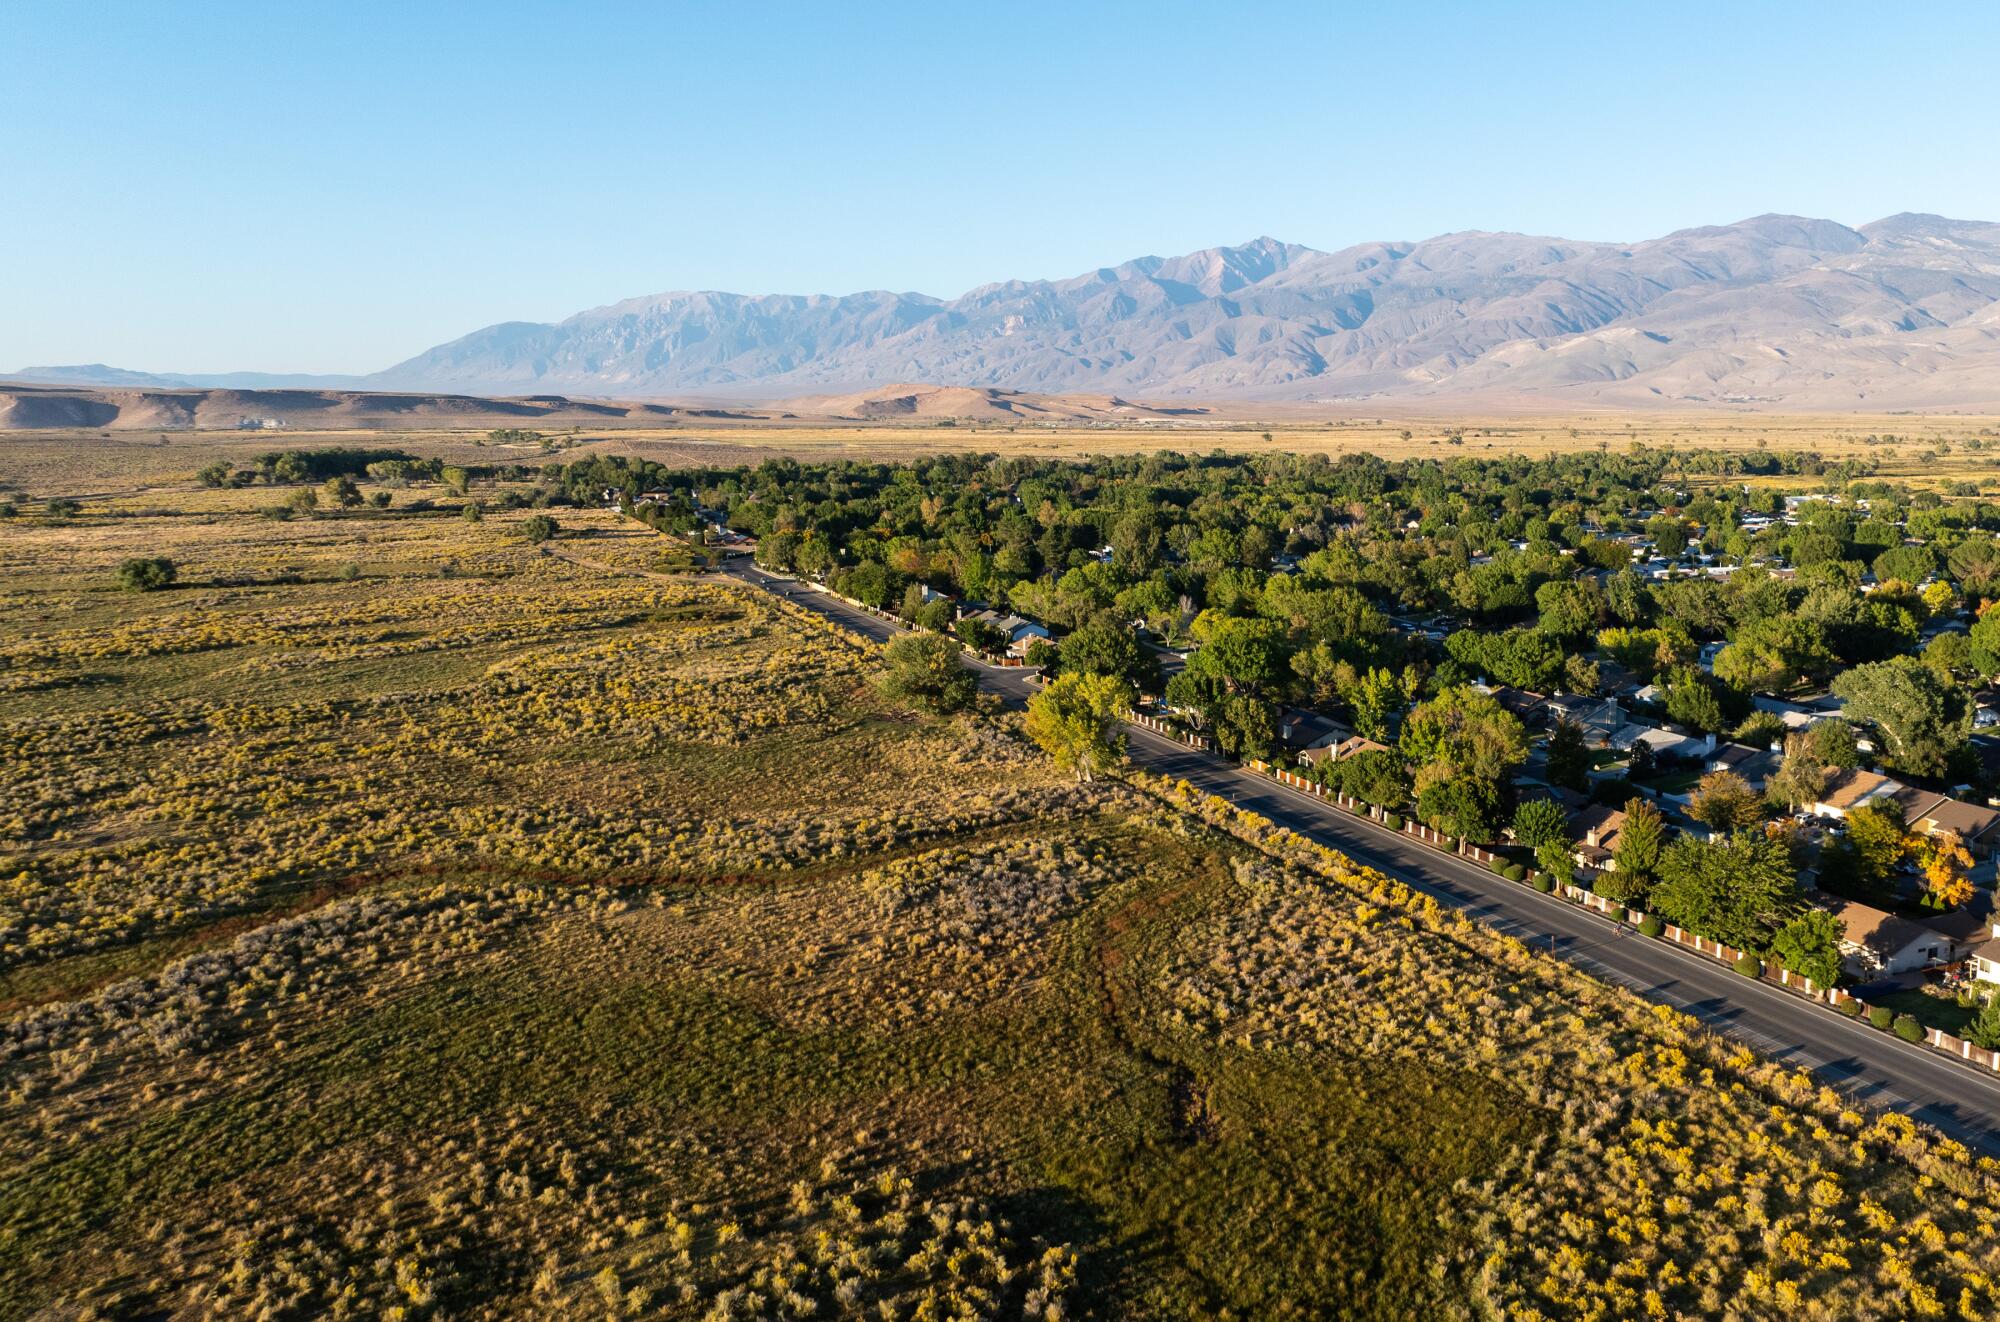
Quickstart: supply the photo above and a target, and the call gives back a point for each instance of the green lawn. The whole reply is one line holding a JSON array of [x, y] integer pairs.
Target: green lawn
[[1930, 1011]]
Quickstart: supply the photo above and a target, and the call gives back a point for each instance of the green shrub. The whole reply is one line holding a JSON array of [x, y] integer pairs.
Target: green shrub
[[1652, 925], [539, 528], [1618, 912], [1544, 883], [146, 573], [1909, 1029], [1851, 1008], [1497, 865], [1515, 872], [1393, 821], [1749, 965], [1449, 842], [1879, 1016]]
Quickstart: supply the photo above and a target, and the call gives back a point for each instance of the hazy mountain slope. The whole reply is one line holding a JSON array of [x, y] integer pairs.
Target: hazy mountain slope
[[114, 408], [97, 374], [1782, 310]]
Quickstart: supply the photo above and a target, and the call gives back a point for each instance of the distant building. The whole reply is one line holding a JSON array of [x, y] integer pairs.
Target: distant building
[[1598, 718], [1755, 765], [1346, 748], [1302, 731]]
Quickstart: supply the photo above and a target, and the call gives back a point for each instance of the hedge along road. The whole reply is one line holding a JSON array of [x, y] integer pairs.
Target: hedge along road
[[1960, 1099]]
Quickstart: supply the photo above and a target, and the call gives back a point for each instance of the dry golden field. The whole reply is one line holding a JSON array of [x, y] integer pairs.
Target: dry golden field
[[399, 919]]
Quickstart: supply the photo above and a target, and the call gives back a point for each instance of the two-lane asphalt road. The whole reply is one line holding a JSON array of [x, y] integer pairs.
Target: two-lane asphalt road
[[1874, 1066]]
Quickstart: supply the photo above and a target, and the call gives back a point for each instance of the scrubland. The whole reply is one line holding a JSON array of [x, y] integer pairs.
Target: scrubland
[[399, 920]]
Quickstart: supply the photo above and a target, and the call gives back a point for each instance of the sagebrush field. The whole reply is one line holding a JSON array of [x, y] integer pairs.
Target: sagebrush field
[[399, 918]]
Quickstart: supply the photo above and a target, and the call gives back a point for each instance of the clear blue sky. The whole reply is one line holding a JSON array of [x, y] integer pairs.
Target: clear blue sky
[[332, 187]]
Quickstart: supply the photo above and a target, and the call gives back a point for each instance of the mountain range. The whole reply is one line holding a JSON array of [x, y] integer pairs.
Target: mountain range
[[1775, 311]]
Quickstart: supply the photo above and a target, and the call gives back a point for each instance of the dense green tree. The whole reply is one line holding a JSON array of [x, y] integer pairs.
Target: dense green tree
[[146, 573], [1911, 564], [1523, 658], [1373, 776], [1669, 534], [1802, 777], [1539, 821], [1724, 801], [1834, 742], [1693, 701], [1571, 608], [340, 492], [1375, 697], [1868, 853], [1921, 716], [1075, 720], [1626, 597], [1462, 732], [1464, 806], [1568, 758], [924, 669], [1641, 840], [1740, 891], [1984, 1030], [1104, 646], [1774, 654], [1760, 729], [1243, 653], [981, 636], [1809, 945]]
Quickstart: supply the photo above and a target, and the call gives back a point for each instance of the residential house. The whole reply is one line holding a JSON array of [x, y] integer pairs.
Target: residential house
[[1850, 790], [1017, 632], [1597, 829], [1755, 765], [1796, 716], [1617, 682], [1985, 958], [1665, 745], [1598, 718], [1301, 731], [1877, 944], [1346, 748], [1526, 706], [1930, 813], [1924, 811]]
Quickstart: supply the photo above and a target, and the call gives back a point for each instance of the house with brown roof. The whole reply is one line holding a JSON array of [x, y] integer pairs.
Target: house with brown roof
[[1597, 829], [1852, 789], [1525, 705], [1924, 811], [1302, 731], [1875, 943], [1347, 747], [1977, 828]]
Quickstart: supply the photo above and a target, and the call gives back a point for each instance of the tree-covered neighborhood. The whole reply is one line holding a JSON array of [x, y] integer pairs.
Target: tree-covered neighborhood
[[1744, 692]]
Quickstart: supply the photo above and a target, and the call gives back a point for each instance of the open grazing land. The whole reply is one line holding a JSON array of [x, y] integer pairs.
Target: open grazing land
[[429, 891]]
